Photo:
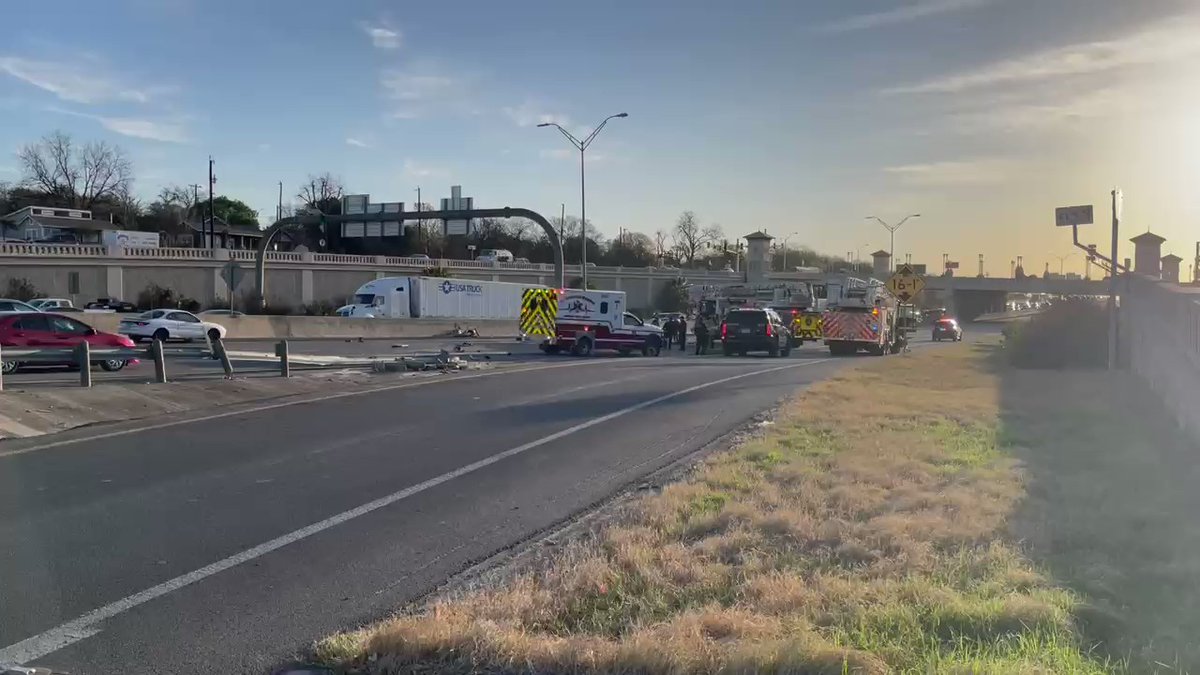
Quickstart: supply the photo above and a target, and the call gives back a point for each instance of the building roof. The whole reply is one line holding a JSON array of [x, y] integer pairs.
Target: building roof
[[754, 236], [70, 223], [1148, 237], [881, 254], [1171, 257], [225, 228]]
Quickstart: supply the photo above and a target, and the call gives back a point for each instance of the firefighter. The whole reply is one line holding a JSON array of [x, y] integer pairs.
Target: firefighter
[[701, 330]]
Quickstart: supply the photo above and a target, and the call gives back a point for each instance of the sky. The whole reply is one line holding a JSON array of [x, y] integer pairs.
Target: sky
[[790, 116]]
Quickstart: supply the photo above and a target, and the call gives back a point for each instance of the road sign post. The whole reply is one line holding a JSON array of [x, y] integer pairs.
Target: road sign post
[[905, 283]]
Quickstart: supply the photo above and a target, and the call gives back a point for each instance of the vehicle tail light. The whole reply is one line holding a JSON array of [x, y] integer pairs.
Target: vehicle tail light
[[770, 331], [724, 330]]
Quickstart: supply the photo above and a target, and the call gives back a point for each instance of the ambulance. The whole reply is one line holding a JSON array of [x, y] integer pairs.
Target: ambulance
[[588, 321]]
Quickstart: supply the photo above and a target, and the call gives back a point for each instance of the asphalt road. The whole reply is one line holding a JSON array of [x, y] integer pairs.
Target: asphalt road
[[183, 549]]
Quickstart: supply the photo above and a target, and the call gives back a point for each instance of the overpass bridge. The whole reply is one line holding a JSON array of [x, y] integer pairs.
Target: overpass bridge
[[297, 279]]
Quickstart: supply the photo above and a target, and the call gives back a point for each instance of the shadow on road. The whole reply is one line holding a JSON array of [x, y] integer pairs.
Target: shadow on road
[[1110, 508]]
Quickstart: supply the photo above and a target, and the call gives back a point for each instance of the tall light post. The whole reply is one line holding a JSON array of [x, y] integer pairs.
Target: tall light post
[[785, 241], [582, 146], [1061, 261], [892, 230]]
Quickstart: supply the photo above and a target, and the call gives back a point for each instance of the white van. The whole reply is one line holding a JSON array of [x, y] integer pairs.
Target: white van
[[495, 255]]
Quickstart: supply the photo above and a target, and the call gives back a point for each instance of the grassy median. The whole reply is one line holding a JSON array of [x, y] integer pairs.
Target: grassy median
[[884, 523]]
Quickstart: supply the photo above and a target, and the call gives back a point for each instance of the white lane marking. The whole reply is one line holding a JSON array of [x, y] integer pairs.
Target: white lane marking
[[283, 404], [85, 626]]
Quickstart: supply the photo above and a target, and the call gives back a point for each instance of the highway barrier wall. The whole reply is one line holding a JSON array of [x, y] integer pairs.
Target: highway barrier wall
[[1161, 330], [281, 327]]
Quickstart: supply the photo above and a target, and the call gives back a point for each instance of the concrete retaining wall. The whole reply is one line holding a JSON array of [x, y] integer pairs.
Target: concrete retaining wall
[[1161, 331], [279, 327]]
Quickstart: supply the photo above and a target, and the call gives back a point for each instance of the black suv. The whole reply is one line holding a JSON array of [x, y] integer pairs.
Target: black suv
[[755, 330]]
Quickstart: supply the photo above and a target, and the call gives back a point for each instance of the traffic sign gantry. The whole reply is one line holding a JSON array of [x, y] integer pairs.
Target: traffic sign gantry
[[906, 284]]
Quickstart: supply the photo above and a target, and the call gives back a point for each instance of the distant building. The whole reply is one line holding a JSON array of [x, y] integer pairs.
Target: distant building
[[224, 235], [54, 225]]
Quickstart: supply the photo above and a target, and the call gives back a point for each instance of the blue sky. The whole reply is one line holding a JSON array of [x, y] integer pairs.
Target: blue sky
[[793, 116]]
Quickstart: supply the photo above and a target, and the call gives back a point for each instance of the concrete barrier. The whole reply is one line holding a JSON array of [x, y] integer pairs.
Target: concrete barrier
[[299, 327]]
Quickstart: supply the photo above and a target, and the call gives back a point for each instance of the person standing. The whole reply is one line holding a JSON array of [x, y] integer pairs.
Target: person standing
[[681, 328], [701, 335], [668, 329]]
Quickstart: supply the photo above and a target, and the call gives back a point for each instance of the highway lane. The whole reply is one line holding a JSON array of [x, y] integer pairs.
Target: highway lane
[[91, 525]]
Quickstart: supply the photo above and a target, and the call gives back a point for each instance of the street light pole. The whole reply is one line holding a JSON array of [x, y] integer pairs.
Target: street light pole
[[892, 231], [582, 146], [785, 241]]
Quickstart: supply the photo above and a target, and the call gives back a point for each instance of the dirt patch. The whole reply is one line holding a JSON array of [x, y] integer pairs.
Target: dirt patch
[[867, 531]]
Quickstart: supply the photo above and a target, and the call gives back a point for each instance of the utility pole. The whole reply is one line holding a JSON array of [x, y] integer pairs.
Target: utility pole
[[1112, 283], [212, 218], [279, 209], [196, 206], [980, 265], [420, 223], [562, 223]]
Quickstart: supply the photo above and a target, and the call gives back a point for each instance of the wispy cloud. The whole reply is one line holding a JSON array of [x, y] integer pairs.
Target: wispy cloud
[[414, 170], [910, 12], [166, 131], [382, 36], [80, 81], [531, 112], [424, 88], [357, 143], [981, 171], [1164, 42]]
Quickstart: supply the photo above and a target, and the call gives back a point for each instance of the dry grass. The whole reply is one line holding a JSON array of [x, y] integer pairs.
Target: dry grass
[[866, 532]]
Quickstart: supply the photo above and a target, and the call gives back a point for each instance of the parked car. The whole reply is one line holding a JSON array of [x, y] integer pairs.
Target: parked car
[[8, 306], [221, 312], [169, 324], [947, 329], [53, 304], [751, 330], [41, 329], [420, 256], [111, 303]]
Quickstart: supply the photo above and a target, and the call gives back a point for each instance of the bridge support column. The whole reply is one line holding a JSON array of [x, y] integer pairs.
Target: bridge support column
[[114, 282]]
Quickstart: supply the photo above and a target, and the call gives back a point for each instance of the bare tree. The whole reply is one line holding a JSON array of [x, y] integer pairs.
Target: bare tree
[[689, 237], [323, 193], [79, 177]]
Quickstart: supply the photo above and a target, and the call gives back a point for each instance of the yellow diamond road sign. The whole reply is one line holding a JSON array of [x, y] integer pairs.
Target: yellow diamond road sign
[[905, 284]]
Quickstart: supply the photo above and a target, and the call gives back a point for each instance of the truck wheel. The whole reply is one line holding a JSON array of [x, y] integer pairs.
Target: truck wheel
[[653, 346], [583, 347]]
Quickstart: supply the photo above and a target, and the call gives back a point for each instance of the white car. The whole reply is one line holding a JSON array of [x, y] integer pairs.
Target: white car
[[52, 304], [169, 324], [8, 306]]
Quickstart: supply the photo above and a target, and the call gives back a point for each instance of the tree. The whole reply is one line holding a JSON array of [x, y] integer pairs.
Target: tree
[[234, 211], [690, 237], [323, 193], [631, 249], [674, 296], [77, 177]]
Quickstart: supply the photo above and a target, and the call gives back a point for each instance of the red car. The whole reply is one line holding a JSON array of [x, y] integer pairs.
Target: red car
[[32, 331]]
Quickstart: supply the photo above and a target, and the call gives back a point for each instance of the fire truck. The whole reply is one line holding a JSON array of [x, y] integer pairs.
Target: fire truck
[[864, 315], [596, 320], [796, 302]]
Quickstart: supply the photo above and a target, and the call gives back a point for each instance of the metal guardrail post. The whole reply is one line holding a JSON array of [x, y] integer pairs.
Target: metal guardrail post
[[83, 359], [285, 365], [1, 371], [219, 350], [160, 363]]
